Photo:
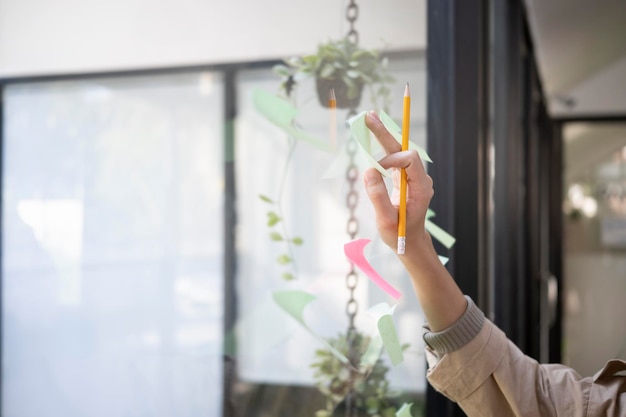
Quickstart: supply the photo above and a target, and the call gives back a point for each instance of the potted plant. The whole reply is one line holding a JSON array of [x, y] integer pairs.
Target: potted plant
[[343, 66], [369, 388]]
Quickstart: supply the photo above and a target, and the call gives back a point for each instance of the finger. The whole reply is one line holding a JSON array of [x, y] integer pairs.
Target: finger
[[409, 160], [419, 183], [386, 213], [388, 142]]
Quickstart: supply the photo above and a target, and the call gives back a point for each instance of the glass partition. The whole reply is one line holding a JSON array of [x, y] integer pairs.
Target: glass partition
[[141, 212], [594, 221], [112, 193], [294, 217]]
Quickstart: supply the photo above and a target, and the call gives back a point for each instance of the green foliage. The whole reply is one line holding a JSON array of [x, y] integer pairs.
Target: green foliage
[[283, 259], [266, 199], [273, 220], [335, 379], [340, 59]]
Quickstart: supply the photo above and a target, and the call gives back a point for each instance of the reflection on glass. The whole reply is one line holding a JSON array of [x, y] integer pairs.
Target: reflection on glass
[[595, 242], [289, 189], [112, 250]]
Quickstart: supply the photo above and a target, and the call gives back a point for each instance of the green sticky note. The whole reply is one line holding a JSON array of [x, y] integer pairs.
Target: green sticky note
[[405, 410], [391, 342], [360, 133], [310, 139], [373, 352], [390, 124], [430, 214], [294, 302], [359, 130], [282, 113], [443, 259], [275, 109], [383, 313], [441, 235], [396, 132]]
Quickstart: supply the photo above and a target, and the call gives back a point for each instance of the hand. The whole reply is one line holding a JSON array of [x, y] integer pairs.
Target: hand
[[419, 188], [441, 299]]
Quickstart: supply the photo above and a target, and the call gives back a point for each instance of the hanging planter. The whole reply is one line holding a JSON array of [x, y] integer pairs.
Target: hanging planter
[[344, 66], [348, 96]]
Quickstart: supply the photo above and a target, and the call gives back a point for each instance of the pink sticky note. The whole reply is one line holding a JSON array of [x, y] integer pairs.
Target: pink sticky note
[[354, 252]]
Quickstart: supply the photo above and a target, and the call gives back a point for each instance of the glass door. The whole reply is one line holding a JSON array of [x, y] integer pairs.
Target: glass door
[[594, 218]]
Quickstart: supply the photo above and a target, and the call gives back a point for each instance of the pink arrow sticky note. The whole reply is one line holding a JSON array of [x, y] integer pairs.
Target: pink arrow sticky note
[[354, 252]]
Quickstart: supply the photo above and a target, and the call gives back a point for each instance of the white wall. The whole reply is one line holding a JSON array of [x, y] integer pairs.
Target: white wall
[[43, 37]]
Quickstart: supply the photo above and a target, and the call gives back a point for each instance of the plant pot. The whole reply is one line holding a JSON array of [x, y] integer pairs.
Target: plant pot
[[324, 85]]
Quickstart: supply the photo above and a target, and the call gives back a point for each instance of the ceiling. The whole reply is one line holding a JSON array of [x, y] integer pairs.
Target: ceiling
[[580, 46]]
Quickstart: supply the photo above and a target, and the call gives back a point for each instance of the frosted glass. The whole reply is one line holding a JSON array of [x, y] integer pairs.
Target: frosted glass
[[112, 292], [313, 208]]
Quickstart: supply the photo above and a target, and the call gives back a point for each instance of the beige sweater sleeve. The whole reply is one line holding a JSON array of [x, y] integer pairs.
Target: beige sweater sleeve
[[490, 376]]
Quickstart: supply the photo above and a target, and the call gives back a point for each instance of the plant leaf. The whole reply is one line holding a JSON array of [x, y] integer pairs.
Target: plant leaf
[[288, 276], [266, 199], [297, 241], [275, 236], [283, 259], [272, 218]]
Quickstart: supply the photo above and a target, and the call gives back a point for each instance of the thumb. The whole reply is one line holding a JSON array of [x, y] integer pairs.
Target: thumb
[[386, 213]]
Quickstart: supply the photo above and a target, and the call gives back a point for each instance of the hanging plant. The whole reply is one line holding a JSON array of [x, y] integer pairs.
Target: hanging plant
[[345, 67], [372, 396]]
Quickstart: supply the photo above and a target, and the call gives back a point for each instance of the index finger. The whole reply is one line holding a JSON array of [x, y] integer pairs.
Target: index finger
[[386, 139]]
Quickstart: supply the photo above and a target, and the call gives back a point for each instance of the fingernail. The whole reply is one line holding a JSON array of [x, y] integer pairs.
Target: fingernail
[[371, 177], [374, 115]]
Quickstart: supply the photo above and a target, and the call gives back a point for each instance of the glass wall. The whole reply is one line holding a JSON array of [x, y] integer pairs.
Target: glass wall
[[594, 244], [116, 288], [112, 194], [305, 189]]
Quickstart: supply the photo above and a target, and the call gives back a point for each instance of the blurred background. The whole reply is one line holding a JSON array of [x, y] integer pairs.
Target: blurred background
[[150, 209]]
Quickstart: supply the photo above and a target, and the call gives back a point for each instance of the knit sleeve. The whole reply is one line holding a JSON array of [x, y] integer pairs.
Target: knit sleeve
[[459, 334]]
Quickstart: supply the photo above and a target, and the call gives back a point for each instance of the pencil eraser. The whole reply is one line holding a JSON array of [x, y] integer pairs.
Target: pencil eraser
[[401, 243]]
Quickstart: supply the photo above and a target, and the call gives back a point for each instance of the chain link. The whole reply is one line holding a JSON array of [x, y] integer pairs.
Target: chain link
[[352, 13], [352, 278], [352, 226]]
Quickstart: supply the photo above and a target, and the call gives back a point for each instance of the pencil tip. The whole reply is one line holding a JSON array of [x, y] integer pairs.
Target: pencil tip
[[407, 91], [331, 94]]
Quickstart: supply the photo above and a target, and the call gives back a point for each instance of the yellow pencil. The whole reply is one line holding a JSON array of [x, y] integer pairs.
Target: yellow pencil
[[332, 105], [406, 115]]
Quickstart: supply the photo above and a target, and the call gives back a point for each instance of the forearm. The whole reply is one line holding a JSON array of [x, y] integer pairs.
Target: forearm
[[441, 299]]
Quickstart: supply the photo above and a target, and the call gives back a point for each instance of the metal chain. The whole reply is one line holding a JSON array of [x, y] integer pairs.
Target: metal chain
[[352, 227], [352, 279], [352, 13]]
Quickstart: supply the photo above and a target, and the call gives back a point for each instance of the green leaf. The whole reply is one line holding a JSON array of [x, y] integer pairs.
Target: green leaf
[[275, 236], [405, 410], [288, 276], [266, 199], [297, 241], [272, 218], [326, 71], [283, 259]]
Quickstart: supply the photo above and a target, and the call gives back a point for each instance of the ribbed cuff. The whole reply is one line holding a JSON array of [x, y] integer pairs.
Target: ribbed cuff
[[459, 334]]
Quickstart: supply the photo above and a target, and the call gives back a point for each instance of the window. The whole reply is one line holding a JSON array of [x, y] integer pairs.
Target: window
[[112, 247], [114, 195], [310, 197]]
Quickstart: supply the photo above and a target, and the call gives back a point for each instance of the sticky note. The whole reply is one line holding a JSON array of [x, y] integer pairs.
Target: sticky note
[[354, 252]]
